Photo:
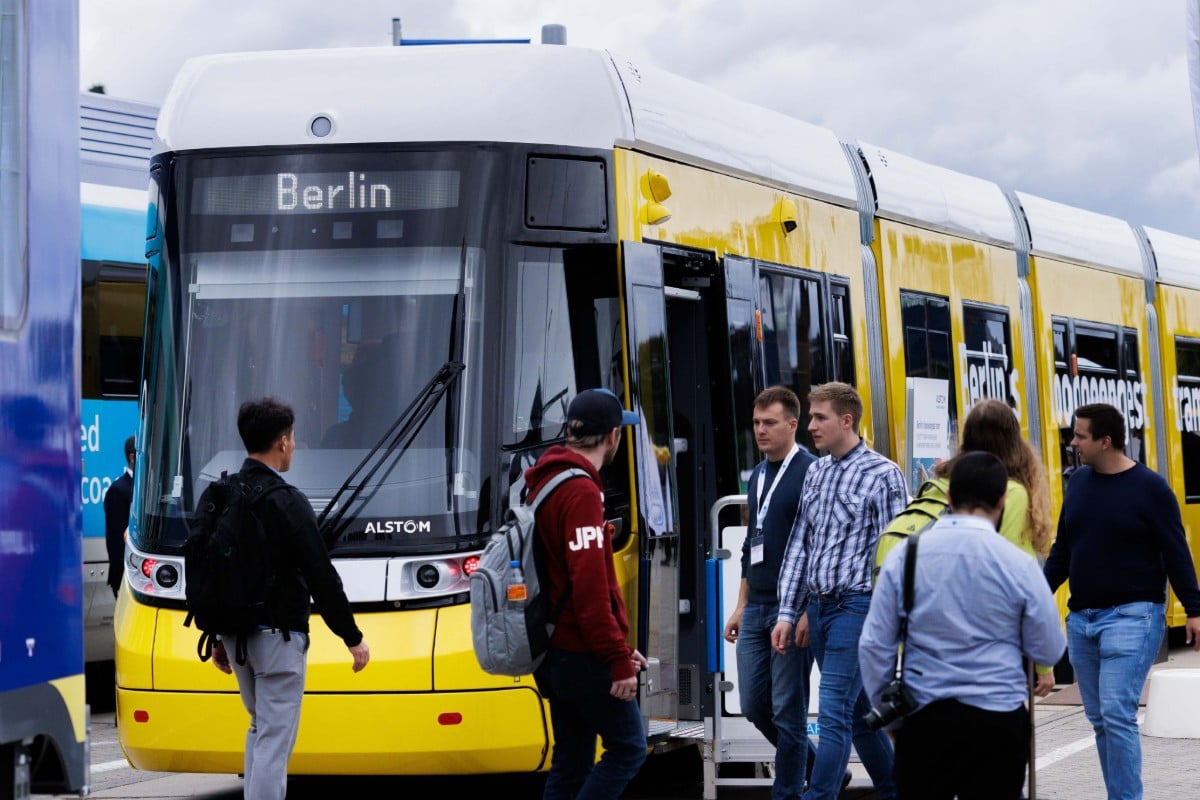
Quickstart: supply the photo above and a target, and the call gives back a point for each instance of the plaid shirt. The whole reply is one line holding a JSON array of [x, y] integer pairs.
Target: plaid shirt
[[845, 504]]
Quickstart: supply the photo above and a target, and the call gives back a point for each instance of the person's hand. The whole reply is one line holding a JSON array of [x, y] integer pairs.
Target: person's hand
[[220, 658], [1192, 626], [624, 689], [639, 660], [734, 625], [781, 636], [1044, 684], [362, 654], [802, 630]]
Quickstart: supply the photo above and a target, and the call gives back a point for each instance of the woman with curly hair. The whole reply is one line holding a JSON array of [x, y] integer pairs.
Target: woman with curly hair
[[991, 426]]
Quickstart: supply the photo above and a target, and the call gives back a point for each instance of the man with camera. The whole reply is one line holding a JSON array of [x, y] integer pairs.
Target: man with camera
[[978, 605]]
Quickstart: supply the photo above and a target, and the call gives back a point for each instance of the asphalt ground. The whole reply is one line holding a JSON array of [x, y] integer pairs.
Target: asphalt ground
[[1067, 767]]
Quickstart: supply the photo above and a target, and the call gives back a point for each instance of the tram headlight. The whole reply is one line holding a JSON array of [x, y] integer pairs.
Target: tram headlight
[[167, 576], [428, 576], [157, 575]]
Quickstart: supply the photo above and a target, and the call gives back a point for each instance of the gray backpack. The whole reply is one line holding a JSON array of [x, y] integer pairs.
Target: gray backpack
[[511, 638]]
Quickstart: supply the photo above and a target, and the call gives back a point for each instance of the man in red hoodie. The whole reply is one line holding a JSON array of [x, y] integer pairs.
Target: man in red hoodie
[[589, 674]]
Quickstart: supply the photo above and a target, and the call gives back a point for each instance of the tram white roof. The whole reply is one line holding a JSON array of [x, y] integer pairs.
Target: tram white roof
[[533, 94], [1178, 258], [929, 196], [1057, 230]]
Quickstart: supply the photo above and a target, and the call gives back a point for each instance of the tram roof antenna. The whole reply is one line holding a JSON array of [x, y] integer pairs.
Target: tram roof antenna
[[551, 34]]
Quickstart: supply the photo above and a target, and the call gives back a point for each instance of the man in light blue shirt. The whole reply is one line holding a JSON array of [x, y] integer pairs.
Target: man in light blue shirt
[[979, 606]]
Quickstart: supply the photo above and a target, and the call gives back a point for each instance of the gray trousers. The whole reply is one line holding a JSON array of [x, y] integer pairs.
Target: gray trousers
[[271, 683]]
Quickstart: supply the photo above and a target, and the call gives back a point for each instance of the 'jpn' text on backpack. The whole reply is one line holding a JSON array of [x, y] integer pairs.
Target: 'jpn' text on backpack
[[228, 572], [512, 638], [921, 512]]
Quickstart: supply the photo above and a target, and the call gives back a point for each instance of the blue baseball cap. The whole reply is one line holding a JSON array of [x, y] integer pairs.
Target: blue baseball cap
[[598, 411]]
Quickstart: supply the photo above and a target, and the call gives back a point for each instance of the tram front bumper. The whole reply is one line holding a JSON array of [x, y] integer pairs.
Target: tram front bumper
[[343, 734]]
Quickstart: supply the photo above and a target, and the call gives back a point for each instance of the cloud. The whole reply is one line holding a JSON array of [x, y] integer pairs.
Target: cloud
[[1080, 101]]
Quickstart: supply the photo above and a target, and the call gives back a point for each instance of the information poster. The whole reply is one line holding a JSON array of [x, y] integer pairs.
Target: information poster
[[928, 428]]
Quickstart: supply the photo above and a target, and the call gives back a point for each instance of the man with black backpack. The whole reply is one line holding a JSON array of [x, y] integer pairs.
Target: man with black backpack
[[589, 674], [270, 661]]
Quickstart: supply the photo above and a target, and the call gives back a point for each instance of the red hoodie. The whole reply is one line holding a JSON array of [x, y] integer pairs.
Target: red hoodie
[[570, 526]]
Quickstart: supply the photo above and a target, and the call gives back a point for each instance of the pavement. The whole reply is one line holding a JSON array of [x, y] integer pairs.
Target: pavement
[[1067, 767]]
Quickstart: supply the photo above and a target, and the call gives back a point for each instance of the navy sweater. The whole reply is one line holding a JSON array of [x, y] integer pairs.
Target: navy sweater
[[777, 527], [1120, 537]]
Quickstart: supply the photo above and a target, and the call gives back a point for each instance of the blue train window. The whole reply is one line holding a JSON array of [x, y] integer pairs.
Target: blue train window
[[13, 265]]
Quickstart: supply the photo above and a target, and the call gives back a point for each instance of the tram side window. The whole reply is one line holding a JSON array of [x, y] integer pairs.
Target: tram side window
[[14, 269], [927, 350], [986, 352], [540, 352], [1187, 413]]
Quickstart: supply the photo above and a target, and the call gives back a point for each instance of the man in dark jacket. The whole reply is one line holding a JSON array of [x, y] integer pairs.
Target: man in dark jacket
[[773, 686], [117, 500], [271, 680], [589, 674]]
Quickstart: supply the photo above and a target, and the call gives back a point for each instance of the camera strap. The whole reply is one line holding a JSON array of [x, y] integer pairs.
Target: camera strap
[[910, 575]]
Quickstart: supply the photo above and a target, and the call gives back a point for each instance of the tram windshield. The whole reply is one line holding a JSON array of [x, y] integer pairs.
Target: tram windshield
[[340, 285]]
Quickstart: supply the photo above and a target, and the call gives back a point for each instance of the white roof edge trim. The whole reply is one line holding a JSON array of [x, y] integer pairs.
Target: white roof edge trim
[[676, 118], [540, 95], [95, 194], [1057, 230], [1178, 258], [937, 198]]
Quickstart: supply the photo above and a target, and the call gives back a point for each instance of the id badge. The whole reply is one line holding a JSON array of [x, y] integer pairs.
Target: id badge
[[756, 548]]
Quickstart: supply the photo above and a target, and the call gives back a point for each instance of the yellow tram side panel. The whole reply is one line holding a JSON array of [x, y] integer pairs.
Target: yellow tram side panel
[[730, 215], [1178, 315], [1064, 289], [909, 258], [419, 707]]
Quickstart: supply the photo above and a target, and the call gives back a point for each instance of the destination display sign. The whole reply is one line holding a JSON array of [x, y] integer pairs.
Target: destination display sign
[[347, 192]]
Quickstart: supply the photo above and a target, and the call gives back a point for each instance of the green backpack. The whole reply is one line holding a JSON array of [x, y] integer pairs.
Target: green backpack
[[921, 512]]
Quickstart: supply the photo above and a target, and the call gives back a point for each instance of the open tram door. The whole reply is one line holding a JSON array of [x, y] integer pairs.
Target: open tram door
[[679, 383]]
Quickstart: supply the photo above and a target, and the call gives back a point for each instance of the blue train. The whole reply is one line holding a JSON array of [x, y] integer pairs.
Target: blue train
[[115, 137], [43, 720]]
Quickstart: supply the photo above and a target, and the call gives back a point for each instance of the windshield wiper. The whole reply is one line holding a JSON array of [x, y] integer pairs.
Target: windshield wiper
[[336, 517]]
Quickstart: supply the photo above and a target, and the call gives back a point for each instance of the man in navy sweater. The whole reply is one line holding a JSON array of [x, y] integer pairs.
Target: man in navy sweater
[[1120, 537], [773, 686]]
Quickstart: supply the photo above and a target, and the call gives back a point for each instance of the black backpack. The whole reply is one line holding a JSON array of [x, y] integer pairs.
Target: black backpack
[[229, 572]]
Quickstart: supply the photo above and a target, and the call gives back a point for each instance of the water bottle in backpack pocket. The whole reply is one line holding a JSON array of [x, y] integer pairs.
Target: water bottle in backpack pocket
[[510, 622]]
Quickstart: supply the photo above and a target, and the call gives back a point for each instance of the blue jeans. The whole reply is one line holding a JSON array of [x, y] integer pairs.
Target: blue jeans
[[1112, 650], [773, 689], [577, 686], [835, 625]]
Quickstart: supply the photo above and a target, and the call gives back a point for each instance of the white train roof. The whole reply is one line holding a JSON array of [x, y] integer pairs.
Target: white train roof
[[1061, 231], [532, 94], [1178, 258], [934, 197]]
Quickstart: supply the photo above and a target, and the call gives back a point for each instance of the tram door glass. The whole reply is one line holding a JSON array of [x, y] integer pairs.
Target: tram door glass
[[1187, 412], [927, 343], [805, 334]]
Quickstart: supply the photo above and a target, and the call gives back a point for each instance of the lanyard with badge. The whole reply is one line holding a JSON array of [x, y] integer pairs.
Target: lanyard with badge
[[764, 503]]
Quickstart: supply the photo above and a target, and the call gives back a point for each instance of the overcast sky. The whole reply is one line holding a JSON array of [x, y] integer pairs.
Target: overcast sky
[[1081, 101]]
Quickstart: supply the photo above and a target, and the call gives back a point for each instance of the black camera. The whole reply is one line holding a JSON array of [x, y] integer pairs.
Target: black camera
[[895, 701]]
